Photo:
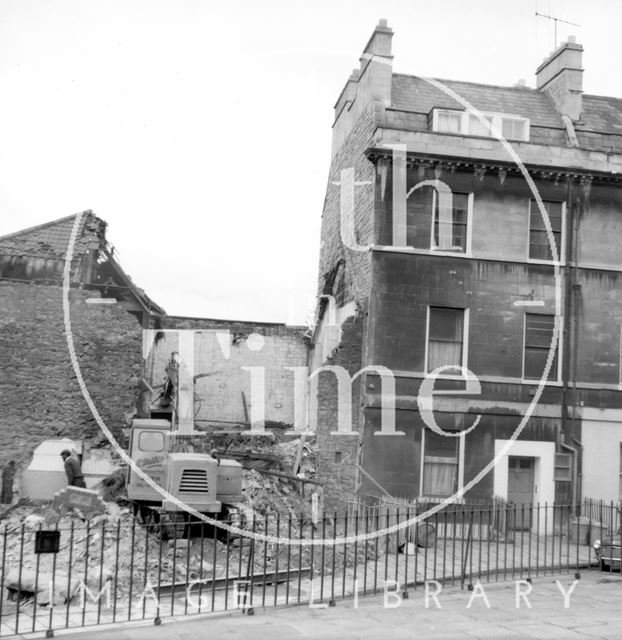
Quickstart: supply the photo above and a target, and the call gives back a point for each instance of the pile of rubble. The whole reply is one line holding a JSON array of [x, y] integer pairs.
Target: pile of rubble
[[280, 473], [115, 547], [279, 480]]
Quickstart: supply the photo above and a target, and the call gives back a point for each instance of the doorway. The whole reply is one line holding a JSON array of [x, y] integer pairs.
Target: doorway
[[520, 489]]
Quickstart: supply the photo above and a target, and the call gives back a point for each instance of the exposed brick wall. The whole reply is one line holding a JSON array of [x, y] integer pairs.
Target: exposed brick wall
[[40, 394], [219, 393], [338, 455], [357, 263]]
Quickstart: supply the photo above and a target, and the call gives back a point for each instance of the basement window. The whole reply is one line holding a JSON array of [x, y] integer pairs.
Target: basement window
[[538, 340], [539, 245], [440, 465]]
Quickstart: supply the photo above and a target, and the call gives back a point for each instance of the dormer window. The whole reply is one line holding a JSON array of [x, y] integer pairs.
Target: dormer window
[[467, 123], [449, 121], [514, 128]]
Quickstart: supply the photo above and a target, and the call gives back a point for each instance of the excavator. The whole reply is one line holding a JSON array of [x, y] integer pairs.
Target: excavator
[[209, 484]]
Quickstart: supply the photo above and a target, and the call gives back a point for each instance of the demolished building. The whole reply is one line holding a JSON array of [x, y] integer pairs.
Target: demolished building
[[111, 320]]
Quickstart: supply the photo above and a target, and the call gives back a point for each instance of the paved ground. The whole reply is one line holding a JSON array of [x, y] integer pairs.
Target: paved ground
[[594, 612]]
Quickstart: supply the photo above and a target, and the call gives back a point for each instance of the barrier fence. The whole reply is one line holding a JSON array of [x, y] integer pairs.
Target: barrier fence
[[95, 572]]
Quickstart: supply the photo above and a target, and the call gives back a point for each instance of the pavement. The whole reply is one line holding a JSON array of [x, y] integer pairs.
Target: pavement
[[489, 611]]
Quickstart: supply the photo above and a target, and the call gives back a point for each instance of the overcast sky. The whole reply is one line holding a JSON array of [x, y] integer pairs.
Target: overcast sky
[[201, 131]]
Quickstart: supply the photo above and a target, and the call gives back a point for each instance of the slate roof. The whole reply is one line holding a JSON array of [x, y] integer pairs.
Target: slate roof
[[50, 240], [600, 127], [602, 114], [45, 246], [416, 94]]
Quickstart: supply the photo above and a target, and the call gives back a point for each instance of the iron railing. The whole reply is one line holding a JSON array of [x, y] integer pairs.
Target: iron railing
[[103, 571]]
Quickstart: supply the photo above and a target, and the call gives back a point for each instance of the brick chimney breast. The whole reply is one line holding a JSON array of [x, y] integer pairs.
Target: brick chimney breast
[[560, 76]]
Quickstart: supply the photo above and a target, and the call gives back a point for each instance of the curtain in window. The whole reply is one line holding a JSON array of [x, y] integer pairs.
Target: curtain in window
[[439, 478], [443, 354], [445, 337], [449, 122], [440, 464], [479, 128]]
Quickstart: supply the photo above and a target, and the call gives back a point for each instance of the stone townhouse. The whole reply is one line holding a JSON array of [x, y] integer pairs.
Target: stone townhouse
[[446, 248]]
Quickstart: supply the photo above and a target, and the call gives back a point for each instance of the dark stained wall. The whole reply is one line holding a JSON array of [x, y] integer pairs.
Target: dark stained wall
[[40, 394]]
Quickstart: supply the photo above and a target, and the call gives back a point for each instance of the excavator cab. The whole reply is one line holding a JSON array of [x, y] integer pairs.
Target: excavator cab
[[205, 483]]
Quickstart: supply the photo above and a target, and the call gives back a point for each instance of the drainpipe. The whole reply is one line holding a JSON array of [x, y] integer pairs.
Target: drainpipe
[[575, 470], [566, 354], [579, 446], [577, 210]]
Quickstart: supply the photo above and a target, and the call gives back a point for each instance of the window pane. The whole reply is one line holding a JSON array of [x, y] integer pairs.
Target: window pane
[[513, 128], [419, 216], [535, 359], [443, 354], [457, 231], [440, 465], [440, 446], [446, 324], [440, 480], [554, 211], [539, 247], [445, 333], [477, 127], [459, 237], [538, 337], [151, 441], [449, 122], [461, 205], [539, 330]]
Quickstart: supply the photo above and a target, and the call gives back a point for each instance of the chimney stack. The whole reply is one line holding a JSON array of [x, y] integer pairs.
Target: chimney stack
[[560, 76], [379, 44], [368, 86]]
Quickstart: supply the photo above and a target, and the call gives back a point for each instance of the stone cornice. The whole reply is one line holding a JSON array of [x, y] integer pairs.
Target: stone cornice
[[480, 155]]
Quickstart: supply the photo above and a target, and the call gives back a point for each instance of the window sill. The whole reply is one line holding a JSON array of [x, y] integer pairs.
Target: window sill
[[388, 248], [552, 263], [445, 252], [437, 500], [537, 382], [460, 134]]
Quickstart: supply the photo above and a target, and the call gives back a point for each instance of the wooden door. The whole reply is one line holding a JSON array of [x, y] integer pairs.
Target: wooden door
[[520, 489]]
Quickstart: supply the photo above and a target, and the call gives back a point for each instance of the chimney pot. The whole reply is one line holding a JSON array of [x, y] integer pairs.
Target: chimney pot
[[572, 39], [521, 83], [382, 22]]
